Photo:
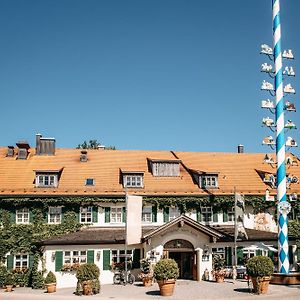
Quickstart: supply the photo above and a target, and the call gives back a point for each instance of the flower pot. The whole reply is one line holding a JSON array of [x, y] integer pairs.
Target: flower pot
[[220, 279], [9, 288], [147, 281], [260, 285], [87, 288], [166, 287], [51, 287]]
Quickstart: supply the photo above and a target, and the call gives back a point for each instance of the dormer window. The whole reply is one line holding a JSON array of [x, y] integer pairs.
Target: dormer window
[[165, 168], [133, 180], [209, 181], [47, 179]]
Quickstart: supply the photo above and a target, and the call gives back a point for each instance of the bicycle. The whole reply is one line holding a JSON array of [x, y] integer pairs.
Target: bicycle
[[119, 277]]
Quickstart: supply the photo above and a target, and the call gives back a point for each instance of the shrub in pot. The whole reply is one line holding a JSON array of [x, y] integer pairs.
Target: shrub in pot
[[88, 279], [146, 271], [9, 281], [166, 272], [50, 282], [260, 269], [218, 268]]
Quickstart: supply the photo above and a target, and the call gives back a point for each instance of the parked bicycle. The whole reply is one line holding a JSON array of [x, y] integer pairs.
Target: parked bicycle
[[120, 278]]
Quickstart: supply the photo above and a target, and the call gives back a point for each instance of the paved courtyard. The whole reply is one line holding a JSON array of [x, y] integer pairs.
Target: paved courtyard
[[184, 289]]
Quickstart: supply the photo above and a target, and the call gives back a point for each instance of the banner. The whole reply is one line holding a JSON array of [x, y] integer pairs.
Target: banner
[[133, 219]]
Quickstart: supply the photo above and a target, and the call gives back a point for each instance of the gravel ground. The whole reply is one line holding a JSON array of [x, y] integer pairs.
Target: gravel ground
[[184, 289]]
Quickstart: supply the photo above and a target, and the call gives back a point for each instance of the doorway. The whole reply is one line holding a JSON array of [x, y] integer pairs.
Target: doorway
[[185, 262]]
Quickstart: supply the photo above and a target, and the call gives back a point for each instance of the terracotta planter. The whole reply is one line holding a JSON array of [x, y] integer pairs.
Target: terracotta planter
[[147, 281], [9, 288], [87, 288], [260, 286], [51, 287], [166, 287], [220, 279]]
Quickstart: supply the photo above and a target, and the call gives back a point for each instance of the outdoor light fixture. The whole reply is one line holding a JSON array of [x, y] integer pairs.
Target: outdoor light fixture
[[98, 255]]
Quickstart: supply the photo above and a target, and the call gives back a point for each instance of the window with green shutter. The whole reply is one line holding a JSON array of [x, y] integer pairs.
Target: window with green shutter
[[10, 262], [154, 213], [107, 214], [228, 256], [166, 214], [58, 260], [199, 215], [124, 214], [90, 256], [240, 256], [215, 216], [106, 259], [225, 216], [95, 214]]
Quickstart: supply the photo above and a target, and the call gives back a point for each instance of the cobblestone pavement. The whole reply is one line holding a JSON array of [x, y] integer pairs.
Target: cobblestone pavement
[[185, 289]]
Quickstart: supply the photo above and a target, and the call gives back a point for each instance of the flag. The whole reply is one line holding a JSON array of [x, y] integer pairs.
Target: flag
[[133, 219]]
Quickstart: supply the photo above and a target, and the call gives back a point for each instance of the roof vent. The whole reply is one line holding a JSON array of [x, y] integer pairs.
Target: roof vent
[[83, 156], [10, 151], [23, 149], [101, 147], [240, 148], [45, 146]]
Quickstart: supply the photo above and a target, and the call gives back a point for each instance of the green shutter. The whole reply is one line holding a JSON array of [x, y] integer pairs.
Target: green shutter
[[13, 215], [271, 255], [258, 252], [166, 214], [136, 258], [298, 253], [31, 259], [10, 262], [63, 211], [228, 256], [225, 216], [199, 215], [30, 216], [77, 213], [106, 259], [215, 216], [240, 256], [90, 256], [95, 214], [124, 214], [154, 213], [107, 214], [58, 260]]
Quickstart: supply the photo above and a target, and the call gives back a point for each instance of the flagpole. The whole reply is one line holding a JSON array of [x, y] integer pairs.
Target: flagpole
[[126, 199], [235, 228]]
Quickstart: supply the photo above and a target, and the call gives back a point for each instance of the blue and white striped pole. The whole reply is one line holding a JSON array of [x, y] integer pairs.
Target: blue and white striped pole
[[280, 143]]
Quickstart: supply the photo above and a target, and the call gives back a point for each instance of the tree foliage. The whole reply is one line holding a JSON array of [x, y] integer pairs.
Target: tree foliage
[[93, 144]]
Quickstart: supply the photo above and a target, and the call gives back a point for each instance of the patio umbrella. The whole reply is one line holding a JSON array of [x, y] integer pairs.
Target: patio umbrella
[[259, 246]]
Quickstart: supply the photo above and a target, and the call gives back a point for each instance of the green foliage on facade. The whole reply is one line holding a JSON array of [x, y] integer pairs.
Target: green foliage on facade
[[294, 230]]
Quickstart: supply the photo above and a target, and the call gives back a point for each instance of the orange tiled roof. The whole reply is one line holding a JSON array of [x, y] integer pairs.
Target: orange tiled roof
[[105, 166]]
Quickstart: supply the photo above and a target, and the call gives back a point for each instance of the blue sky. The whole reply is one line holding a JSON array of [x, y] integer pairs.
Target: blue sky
[[138, 74]]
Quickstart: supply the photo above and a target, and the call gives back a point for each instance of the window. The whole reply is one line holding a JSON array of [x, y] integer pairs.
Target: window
[[230, 214], [22, 216], [89, 181], [206, 212], [165, 169], [118, 256], [75, 257], [133, 181], [54, 216], [21, 261], [209, 181], [173, 213], [220, 251], [116, 214], [86, 214], [46, 180], [147, 214]]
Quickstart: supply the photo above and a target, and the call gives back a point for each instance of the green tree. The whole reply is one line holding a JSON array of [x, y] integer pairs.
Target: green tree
[[93, 144]]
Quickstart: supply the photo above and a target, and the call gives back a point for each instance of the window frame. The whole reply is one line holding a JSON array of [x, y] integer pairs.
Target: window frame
[[86, 217], [209, 181], [133, 180], [46, 180], [23, 211], [118, 255], [165, 169], [147, 214], [89, 181], [21, 259], [174, 213], [231, 214], [207, 213], [73, 258], [57, 216], [116, 214]]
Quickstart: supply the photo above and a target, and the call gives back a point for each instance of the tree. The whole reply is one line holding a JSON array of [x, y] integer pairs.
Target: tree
[[93, 144]]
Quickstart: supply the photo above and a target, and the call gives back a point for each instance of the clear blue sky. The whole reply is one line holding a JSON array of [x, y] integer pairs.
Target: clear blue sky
[[138, 74]]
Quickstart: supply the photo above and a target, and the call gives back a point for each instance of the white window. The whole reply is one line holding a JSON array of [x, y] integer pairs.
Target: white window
[[165, 169], [133, 181], [86, 214], [75, 257], [209, 181], [206, 212], [22, 216], [118, 256], [54, 216], [116, 214], [46, 180], [147, 214], [231, 214], [21, 261], [174, 212], [220, 251]]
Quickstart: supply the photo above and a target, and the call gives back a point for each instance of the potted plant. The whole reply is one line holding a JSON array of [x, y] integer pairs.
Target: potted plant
[[147, 273], [88, 278], [50, 282], [260, 269], [166, 272], [218, 270], [9, 282]]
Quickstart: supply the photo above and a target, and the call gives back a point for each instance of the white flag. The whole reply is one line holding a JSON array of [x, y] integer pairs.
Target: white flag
[[134, 219]]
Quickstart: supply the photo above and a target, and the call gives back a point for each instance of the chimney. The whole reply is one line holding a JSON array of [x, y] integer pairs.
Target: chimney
[[10, 151], [83, 156], [240, 148], [44, 146], [23, 149]]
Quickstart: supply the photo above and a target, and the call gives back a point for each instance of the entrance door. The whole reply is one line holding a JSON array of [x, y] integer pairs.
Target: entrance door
[[185, 263]]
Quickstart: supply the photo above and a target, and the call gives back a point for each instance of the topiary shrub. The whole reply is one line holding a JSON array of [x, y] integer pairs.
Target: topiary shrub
[[9, 279], [38, 280], [50, 278], [260, 266], [88, 274], [3, 272], [166, 269]]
